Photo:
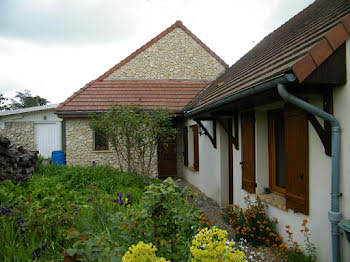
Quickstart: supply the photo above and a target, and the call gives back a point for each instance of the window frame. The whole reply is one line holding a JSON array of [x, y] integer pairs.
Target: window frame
[[97, 147], [274, 188]]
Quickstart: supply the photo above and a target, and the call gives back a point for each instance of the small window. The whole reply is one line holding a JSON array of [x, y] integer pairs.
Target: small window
[[101, 142], [195, 148], [277, 152]]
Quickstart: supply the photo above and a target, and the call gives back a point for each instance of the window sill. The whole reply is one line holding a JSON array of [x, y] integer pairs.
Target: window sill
[[102, 151], [274, 200], [192, 169]]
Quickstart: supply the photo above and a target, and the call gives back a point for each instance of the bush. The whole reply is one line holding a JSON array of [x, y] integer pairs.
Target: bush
[[252, 223]]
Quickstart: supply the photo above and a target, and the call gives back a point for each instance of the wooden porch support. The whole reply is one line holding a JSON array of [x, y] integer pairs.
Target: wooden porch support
[[212, 138], [325, 133], [234, 139]]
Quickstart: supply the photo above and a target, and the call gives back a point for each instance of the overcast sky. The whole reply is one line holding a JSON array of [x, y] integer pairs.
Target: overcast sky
[[54, 47]]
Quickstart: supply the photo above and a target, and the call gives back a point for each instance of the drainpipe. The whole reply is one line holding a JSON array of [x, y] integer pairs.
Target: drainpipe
[[334, 216]]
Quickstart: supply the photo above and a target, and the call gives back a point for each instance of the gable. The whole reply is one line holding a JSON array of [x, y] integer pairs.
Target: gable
[[176, 56]]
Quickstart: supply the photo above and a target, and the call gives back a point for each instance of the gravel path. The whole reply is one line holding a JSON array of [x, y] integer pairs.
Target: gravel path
[[211, 209]]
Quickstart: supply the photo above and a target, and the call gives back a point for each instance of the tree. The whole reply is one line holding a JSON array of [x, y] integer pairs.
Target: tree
[[2, 103], [135, 134], [27, 100]]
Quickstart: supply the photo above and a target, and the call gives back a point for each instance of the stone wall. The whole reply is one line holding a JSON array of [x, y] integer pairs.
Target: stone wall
[[20, 133], [175, 56], [80, 147]]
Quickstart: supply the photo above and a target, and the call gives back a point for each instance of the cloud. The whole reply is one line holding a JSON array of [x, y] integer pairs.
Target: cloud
[[67, 21]]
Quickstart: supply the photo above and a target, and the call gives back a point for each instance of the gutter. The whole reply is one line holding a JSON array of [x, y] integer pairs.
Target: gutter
[[255, 89], [334, 216]]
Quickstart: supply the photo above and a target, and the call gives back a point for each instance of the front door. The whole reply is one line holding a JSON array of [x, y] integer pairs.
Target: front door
[[167, 160]]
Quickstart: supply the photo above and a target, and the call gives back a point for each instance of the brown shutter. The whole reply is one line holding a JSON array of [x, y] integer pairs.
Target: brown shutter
[[297, 160], [248, 151], [185, 146], [195, 148]]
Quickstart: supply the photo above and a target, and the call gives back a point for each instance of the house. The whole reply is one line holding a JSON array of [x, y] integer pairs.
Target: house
[[34, 128], [168, 71], [276, 125]]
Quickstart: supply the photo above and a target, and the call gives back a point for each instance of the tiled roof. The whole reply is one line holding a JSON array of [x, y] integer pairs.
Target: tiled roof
[[98, 96], [178, 24], [300, 45]]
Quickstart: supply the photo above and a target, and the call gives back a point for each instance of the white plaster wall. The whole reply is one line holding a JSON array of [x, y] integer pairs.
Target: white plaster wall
[[319, 179], [207, 179], [212, 177]]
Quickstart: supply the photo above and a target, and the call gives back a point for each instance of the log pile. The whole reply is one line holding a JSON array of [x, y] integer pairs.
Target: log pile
[[16, 163]]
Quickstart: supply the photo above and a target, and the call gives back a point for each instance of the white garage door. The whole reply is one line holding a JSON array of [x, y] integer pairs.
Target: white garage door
[[47, 138]]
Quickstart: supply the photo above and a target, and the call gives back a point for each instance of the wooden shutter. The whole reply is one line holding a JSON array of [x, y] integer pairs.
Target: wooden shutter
[[297, 160], [248, 151], [195, 148], [185, 134]]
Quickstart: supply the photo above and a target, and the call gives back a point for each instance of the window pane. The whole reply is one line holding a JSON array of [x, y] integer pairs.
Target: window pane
[[280, 151], [101, 143]]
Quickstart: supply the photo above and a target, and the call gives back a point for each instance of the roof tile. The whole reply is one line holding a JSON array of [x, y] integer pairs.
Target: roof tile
[[337, 36], [321, 51], [346, 22], [304, 67]]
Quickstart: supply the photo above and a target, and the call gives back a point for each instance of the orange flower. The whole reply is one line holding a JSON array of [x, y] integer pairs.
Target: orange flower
[[288, 226], [295, 243], [290, 233], [268, 229], [307, 229], [305, 221], [275, 220]]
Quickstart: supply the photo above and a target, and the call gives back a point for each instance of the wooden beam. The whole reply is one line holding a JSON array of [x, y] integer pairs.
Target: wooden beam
[[212, 138], [328, 107], [234, 140], [321, 133]]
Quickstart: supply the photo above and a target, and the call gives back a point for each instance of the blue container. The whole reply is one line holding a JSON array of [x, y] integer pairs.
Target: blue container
[[58, 157]]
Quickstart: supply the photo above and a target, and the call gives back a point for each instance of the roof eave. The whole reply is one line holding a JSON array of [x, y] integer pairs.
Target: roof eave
[[284, 78]]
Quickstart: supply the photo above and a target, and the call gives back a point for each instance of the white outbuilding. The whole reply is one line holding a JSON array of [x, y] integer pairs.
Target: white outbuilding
[[34, 127]]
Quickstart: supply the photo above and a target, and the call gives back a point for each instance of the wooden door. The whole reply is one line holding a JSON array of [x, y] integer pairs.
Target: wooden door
[[167, 160], [248, 151]]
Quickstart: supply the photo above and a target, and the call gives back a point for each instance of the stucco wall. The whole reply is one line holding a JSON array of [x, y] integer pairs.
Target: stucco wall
[[213, 170], [80, 147], [20, 133], [175, 56]]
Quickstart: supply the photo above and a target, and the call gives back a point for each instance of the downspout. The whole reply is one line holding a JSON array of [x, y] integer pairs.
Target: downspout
[[334, 216]]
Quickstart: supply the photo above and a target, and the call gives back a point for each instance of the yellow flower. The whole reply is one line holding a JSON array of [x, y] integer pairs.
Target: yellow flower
[[142, 253], [212, 245]]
